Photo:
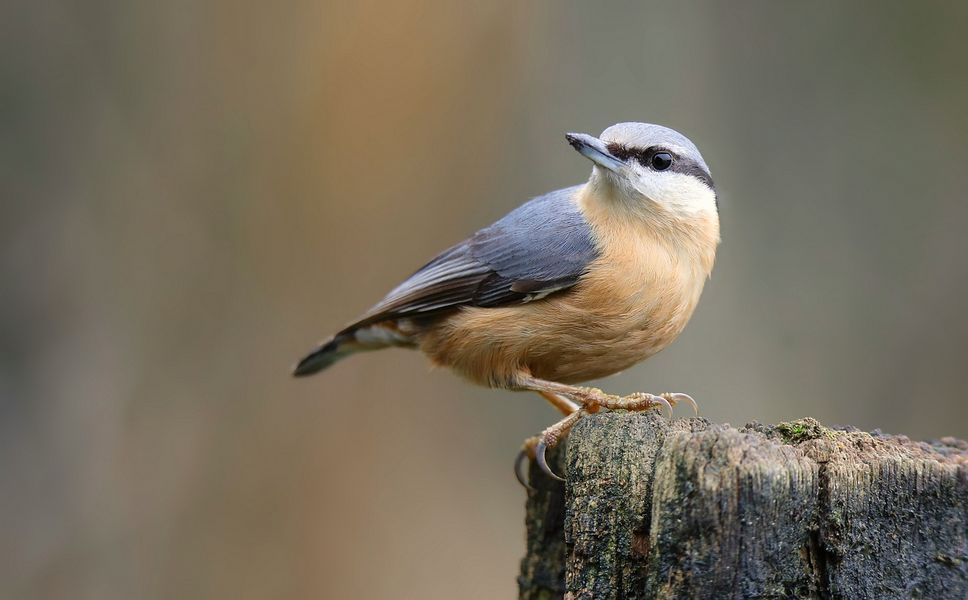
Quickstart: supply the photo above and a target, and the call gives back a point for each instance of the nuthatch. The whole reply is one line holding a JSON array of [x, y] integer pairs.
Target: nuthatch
[[574, 285]]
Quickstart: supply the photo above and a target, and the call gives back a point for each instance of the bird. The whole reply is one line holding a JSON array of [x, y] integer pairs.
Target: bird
[[571, 286]]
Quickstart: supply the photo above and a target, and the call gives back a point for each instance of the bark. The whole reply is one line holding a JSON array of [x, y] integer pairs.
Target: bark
[[689, 509]]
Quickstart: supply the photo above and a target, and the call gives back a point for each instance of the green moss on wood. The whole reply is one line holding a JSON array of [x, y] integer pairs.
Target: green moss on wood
[[802, 430]]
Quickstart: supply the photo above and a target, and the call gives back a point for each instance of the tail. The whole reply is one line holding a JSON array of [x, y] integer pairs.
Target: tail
[[338, 347], [351, 340]]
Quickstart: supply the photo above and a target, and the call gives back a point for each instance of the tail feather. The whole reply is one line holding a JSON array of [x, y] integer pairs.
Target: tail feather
[[323, 356], [351, 340]]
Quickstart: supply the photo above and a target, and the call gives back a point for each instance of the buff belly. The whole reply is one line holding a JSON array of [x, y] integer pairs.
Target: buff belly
[[569, 338]]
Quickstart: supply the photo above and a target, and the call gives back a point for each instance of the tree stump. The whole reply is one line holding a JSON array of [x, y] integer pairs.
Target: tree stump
[[689, 509]]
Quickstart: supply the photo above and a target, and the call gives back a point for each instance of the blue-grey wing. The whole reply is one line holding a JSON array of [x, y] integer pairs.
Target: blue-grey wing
[[542, 247]]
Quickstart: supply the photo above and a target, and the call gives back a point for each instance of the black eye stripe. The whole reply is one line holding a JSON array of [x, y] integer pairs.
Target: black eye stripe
[[685, 166], [639, 155], [643, 156], [688, 167]]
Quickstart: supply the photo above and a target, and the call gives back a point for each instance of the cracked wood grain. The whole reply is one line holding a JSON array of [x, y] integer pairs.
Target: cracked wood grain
[[689, 509]]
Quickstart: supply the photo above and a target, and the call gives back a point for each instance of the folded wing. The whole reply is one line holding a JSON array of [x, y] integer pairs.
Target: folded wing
[[540, 248]]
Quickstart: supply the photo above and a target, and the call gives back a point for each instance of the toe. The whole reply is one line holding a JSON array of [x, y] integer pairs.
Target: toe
[[520, 464], [661, 401], [539, 452], [676, 397]]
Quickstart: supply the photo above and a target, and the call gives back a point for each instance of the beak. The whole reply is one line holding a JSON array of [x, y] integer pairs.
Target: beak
[[594, 150]]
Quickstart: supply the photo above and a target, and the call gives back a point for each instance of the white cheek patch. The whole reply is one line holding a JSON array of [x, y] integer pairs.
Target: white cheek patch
[[678, 192]]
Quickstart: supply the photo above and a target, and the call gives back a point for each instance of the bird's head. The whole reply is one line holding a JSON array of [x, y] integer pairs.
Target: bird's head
[[650, 169]]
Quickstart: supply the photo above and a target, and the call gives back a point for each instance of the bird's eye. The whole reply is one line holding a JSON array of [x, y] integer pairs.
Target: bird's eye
[[661, 161]]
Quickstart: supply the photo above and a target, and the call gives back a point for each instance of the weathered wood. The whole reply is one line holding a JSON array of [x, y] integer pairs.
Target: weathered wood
[[687, 509], [543, 566]]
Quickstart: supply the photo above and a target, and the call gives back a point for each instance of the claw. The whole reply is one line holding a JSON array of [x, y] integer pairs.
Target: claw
[[539, 454], [676, 397], [641, 401], [519, 472], [665, 403]]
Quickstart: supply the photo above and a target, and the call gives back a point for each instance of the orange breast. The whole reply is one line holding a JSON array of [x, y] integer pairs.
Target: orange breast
[[633, 302]]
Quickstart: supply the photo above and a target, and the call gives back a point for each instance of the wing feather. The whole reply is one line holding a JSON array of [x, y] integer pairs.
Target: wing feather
[[540, 248]]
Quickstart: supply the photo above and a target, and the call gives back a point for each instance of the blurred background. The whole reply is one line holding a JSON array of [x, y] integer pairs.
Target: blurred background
[[195, 192]]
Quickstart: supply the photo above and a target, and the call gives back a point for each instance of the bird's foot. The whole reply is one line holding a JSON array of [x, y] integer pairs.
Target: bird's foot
[[592, 400], [537, 447], [525, 455], [641, 401]]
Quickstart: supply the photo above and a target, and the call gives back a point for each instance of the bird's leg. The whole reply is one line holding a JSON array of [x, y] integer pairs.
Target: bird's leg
[[550, 437], [567, 408], [563, 404], [564, 398], [590, 399], [537, 446]]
